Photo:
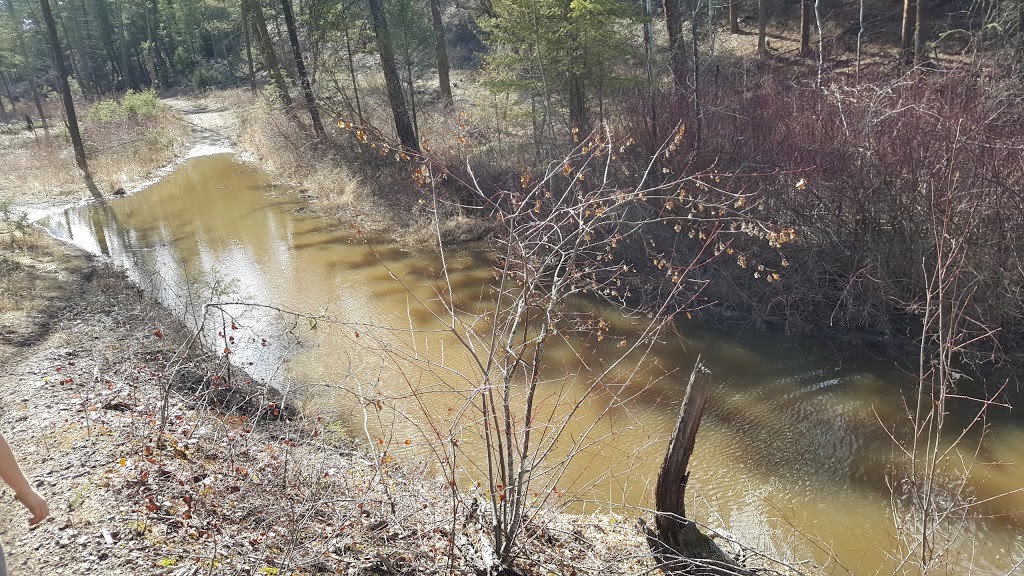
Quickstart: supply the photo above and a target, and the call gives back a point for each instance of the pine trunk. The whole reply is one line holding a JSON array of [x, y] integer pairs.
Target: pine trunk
[[734, 22], [920, 34], [154, 45], [762, 27], [258, 27], [1020, 29], [352, 76], [441, 47], [907, 30], [65, 90], [806, 17], [652, 94], [248, 45], [577, 84], [300, 66], [577, 105], [698, 114], [128, 77], [674, 24], [399, 108]]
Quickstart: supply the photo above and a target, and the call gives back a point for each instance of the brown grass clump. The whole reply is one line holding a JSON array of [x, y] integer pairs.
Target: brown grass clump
[[373, 191], [129, 141], [285, 150], [37, 167]]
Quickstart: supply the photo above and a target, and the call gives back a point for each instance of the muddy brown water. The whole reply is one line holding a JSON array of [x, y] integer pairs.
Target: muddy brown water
[[792, 456]]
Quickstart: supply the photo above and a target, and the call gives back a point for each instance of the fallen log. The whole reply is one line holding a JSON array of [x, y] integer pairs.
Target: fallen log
[[679, 545]]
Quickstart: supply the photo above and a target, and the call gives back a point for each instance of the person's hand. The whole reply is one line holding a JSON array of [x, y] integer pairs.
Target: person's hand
[[36, 505]]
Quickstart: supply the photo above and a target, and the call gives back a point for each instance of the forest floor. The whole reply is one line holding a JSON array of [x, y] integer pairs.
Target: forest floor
[[123, 423]]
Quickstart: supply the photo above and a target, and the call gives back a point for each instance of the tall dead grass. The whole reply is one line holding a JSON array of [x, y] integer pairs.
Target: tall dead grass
[[285, 150], [344, 177], [125, 154]]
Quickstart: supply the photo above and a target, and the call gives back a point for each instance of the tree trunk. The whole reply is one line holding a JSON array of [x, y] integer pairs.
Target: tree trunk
[[277, 19], [300, 66], [92, 66], [19, 33], [679, 545], [352, 75], [76, 68], [920, 34], [7, 90], [577, 104], [860, 34], [762, 27], [907, 29], [734, 21], [1020, 32], [698, 114], [399, 108], [441, 47], [65, 91], [651, 86], [821, 39], [248, 45], [258, 27], [128, 77], [674, 24], [806, 17], [577, 66], [409, 82], [156, 68]]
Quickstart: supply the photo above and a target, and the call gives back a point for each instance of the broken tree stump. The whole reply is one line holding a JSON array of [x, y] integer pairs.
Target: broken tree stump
[[679, 545]]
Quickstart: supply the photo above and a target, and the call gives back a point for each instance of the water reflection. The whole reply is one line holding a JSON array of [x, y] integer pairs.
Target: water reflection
[[791, 438]]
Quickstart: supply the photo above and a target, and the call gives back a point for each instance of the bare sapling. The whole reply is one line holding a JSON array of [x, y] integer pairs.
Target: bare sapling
[[580, 230], [935, 479]]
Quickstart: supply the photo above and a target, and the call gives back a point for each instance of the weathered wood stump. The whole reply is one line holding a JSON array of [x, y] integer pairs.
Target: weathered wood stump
[[679, 545]]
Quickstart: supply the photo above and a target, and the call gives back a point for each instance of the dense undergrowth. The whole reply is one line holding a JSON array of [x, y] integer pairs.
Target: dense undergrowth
[[869, 173]]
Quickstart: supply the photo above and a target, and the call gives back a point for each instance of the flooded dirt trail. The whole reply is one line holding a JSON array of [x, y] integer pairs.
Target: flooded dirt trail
[[214, 126]]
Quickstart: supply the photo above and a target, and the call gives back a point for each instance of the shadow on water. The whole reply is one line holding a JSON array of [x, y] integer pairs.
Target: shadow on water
[[792, 434]]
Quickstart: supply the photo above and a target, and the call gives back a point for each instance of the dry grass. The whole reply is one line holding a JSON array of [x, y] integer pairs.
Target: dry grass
[[39, 168], [122, 153], [121, 162], [339, 178], [285, 151]]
